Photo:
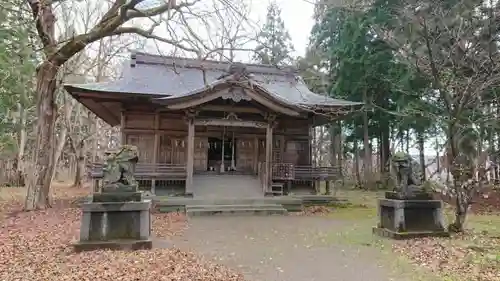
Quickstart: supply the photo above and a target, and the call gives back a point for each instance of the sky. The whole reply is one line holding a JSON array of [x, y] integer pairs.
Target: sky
[[296, 14], [298, 18]]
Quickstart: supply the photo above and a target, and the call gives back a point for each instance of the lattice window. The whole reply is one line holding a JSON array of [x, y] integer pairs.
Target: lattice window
[[145, 145], [165, 153]]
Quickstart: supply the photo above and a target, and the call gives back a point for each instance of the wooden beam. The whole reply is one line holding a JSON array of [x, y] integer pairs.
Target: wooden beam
[[230, 123], [123, 137], [216, 134], [256, 154], [102, 111], [202, 98], [190, 156], [156, 148], [282, 147], [269, 150], [228, 108]]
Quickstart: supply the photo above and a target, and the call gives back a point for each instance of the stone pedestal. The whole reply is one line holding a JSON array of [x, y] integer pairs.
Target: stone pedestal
[[120, 221], [410, 217]]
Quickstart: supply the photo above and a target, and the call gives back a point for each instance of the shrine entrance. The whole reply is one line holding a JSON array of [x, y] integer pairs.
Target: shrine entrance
[[221, 150]]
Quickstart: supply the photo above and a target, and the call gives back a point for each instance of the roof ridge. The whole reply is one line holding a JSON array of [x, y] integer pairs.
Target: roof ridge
[[138, 57]]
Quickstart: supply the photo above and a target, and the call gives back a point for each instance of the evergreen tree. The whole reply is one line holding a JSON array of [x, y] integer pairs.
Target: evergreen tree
[[275, 45], [361, 66], [17, 67]]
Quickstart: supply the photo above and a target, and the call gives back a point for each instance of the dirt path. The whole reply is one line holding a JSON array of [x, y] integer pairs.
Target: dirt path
[[279, 248]]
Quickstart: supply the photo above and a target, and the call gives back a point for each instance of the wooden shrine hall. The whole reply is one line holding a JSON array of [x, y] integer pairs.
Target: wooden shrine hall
[[189, 117]]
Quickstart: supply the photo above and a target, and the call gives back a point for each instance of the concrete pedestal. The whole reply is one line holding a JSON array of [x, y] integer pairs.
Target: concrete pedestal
[[115, 225], [410, 218]]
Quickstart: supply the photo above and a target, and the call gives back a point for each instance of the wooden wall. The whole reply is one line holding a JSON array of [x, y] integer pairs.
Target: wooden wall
[[168, 133]]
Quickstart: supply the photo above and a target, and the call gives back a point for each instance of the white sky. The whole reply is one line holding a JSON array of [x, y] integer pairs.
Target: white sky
[[298, 18]]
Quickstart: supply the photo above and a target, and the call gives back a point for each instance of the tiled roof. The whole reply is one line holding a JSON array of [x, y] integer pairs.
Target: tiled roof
[[172, 77]]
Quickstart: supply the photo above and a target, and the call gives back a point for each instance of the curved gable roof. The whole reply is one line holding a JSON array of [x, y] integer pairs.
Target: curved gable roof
[[165, 77], [171, 76]]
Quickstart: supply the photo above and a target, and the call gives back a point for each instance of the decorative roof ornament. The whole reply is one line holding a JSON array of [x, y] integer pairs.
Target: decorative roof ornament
[[237, 71], [236, 95], [232, 116]]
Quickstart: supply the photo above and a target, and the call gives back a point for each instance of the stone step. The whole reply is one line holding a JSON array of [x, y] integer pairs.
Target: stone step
[[178, 204], [234, 206], [235, 209], [168, 201]]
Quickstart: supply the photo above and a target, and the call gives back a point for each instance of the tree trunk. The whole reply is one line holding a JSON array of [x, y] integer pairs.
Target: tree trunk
[[333, 147], [60, 146], [38, 189], [407, 135], [20, 167], [497, 170], [63, 134], [367, 161], [462, 202], [80, 164], [341, 155], [356, 164], [438, 160], [421, 147], [95, 136]]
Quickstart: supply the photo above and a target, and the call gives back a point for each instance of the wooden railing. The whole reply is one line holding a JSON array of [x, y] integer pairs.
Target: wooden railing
[[283, 171], [147, 171], [287, 171], [262, 174], [310, 173]]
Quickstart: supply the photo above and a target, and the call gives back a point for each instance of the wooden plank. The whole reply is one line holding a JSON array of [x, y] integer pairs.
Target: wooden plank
[[230, 123], [156, 147], [147, 171], [123, 137], [269, 151], [190, 156], [255, 154], [227, 108]]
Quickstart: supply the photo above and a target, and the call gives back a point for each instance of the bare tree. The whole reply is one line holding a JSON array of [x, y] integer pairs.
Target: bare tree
[[115, 21], [455, 44]]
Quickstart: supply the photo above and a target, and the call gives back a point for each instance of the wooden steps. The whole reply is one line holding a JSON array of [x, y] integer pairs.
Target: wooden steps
[[235, 209], [239, 206], [257, 206]]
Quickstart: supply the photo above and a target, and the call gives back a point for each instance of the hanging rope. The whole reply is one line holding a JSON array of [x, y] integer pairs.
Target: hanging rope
[[222, 168], [233, 166]]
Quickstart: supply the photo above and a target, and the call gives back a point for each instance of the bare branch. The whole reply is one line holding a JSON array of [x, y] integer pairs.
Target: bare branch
[[149, 34]]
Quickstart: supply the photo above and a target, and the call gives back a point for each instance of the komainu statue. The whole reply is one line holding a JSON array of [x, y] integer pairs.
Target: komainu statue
[[119, 168], [409, 174]]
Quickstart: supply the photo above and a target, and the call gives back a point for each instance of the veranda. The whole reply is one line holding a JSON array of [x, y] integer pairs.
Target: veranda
[[193, 121]]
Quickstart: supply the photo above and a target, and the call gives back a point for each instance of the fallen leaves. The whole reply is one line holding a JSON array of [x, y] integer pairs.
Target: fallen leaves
[[37, 246], [471, 256], [314, 210], [485, 203], [168, 224]]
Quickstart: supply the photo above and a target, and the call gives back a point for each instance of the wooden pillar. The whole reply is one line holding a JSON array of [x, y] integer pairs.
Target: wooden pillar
[[282, 147], [269, 154], [256, 155], [156, 148], [190, 156], [310, 151], [123, 137]]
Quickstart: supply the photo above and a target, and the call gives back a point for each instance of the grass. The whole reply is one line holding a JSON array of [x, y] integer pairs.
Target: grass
[[361, 216], [9, 194], [59, 190], [489, 223]]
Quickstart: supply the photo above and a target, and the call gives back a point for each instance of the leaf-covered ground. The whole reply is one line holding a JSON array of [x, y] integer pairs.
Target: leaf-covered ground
[[473, 256], [465, 257], [37, 246]]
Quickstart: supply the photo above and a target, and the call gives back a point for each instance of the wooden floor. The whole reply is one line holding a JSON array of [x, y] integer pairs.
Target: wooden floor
[[226, 186]]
